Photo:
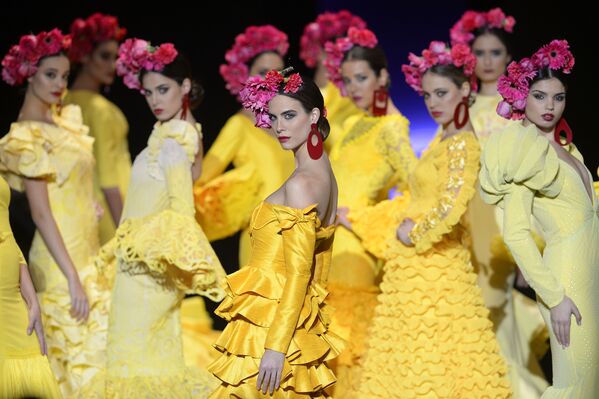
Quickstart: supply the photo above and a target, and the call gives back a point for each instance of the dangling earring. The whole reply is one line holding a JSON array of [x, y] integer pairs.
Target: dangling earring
[[314, 150], [562, 126], [185, 107], [379, 101], [456, 114]]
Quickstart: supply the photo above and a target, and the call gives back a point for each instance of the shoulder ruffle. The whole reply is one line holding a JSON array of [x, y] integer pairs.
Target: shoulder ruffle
[[182, 132], [519, 155]]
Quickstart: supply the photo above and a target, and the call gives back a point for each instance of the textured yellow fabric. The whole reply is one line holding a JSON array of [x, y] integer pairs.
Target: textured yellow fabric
[[496, 271], [430, 335], [523, 174], [225, 200], [23, 370], [61, 153], [161, 253], [109, 127], [277, 301], [339, 109], [373, 153]]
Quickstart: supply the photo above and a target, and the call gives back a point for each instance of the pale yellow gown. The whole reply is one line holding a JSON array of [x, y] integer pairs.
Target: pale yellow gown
[[108, 126], [522, 173], [24, 372], [161, 254], [61, 154], [372, 153], [518, 325], [278, 301]]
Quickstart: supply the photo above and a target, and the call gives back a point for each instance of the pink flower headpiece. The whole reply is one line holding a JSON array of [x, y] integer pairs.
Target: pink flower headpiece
[[258, 91], [87, 33], [138, 54], [254, 41], [514, 86], [461, 32], [336, 51], [327, 26], [22, 60], [439, 54]]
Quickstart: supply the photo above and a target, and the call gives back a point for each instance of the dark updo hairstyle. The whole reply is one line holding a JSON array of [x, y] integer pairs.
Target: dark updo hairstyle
[[179, 70], [500, 34], [310, 97], [548, 73], [375, 57]]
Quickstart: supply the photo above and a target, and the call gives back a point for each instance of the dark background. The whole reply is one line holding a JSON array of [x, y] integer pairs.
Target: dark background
[[204, 36]]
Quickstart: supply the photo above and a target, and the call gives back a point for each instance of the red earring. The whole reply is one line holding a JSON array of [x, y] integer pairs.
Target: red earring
[[562, 126], [185, 107], [379, 102], [314, 150], [456, 114]]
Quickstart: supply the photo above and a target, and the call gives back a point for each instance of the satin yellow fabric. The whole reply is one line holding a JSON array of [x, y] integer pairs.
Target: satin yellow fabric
[[278, 302], [23, 370], [430, 335], [372, 153], [523, 174], [61, 153], [225, 200], [108, 126], [161, 253], [519, 327]]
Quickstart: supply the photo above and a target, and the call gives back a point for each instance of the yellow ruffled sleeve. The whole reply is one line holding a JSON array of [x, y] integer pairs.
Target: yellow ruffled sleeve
[[25, 153], [223, 150], [459, 176], [516, 165], [298, 228], [394, 144]]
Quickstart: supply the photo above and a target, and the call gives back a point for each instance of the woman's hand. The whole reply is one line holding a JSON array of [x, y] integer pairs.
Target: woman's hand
[[560, 320], [404, 230], [35, 324], [342, 218], [79, 303], [271, 368]]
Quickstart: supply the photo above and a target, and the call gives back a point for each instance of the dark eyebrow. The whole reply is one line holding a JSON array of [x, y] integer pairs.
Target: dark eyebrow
[[539, 91], [161, 85], [289, 111], [52, 70]]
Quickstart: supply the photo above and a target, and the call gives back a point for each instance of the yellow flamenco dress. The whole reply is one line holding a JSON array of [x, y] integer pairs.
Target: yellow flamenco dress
[[61, 154], [523, 174], [519, 327], [24, 371], [224, 201], [430, 335], [372, 153], [161, 254], [278, 302], [109, 127], [339, 109]]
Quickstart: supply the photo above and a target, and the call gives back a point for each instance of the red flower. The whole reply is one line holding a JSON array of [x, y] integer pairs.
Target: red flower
[[87, 33], [461, 31], [293, 84], [164, 55]]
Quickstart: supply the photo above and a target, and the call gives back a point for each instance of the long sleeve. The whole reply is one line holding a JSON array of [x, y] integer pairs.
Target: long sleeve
[[223, 151], [518, 238], [457, 188], [177, 172], [299, 239], [394, 143]]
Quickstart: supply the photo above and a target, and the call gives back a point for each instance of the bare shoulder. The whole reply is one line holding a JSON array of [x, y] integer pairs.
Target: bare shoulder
[[304, 189]]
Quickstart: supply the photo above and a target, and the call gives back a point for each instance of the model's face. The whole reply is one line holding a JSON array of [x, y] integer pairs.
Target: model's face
[[442, 96], [361, 81], [491, 57], [164, 95], [266, 62], [101, 63], [290, 121], [50, 80], [546, 103]]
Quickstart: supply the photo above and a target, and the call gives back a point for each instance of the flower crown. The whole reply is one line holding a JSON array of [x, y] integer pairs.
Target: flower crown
[[254, 41], [138, 54], [461, 32], [97, 28], [514, 86], [259, 91], [336, 51], [327, 26], [439, 54], [22, 59]]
